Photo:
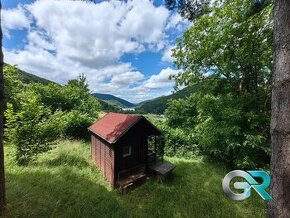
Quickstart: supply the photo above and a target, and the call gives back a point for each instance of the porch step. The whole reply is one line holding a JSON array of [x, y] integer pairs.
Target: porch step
[[128, 186], [129, 182], [131, 179], [162, 169]]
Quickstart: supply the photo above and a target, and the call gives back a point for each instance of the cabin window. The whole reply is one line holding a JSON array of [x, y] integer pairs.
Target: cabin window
[[127, 151]]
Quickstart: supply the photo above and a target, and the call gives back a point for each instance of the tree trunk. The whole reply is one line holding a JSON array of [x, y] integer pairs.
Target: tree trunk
[[2, 106], [279, 206], [2, 176]]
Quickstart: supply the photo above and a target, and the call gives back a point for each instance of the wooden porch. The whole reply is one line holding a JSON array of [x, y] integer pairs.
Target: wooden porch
[[127, 179], [137, 175], [162, 169], [155, 165]]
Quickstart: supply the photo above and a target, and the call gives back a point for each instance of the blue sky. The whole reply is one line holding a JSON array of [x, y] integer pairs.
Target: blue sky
[[124, 48]]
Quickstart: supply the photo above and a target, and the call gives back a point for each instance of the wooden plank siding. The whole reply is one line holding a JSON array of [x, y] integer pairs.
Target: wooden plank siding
[[104, 156], [111, 134]]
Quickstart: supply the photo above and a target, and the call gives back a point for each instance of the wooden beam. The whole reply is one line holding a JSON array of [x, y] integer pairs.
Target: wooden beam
[[155, 146]]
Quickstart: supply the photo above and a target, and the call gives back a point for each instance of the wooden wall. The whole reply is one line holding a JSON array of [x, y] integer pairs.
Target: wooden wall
[[137, 138], [104, 156], [109, 157]]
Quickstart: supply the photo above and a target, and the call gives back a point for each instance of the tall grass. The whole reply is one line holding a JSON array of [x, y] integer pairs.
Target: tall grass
[[64, 182]]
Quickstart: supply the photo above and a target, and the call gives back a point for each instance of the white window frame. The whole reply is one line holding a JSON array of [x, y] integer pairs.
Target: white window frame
[[129, 153]]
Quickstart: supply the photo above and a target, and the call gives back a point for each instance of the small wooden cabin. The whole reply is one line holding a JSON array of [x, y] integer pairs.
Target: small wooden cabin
[[120, 146]]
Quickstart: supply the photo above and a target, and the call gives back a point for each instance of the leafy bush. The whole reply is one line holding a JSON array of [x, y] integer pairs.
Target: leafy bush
[[31, 129], [229, 111], [72, 97], [40, 114], [222, 129], [76, 125], [177, 142]]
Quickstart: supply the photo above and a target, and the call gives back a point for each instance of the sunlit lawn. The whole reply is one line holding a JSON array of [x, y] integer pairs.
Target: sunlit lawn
[[65, 183]]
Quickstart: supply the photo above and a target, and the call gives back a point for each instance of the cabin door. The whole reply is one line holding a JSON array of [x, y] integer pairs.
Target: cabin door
[[143, 150], [134, 153]]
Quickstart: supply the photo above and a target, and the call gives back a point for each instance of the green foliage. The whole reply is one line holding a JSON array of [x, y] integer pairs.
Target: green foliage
[[176, 141], [73, 96], [227, 56], [40, 114], [113, 100], [159, 105], [189, 9], [223, 130], [228, 43], [179, 143], [104, 106], [31, 129], [76, 125], [182, 113], [25, 77], [155, 106], [12, 83], [65, 183]]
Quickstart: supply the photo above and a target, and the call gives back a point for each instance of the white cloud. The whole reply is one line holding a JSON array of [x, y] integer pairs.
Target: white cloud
[[14, 19], [161, 80], [127, 78], [150, 88], [167, 55], [38, 39], [44, 64], [67, 38], [97, 34], [176, 22]]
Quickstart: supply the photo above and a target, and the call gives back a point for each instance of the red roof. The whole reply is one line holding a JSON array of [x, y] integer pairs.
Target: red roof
[[113, 125]]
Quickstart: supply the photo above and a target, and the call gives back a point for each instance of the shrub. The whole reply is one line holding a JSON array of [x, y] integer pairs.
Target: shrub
[[31, 130], [40, 114], [225, 128], [178, 142], [76, 125]]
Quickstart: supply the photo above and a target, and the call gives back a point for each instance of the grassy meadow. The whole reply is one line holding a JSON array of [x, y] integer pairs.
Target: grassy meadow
[[64, 182]]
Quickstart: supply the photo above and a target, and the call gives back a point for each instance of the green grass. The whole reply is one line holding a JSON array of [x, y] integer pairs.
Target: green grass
[[65, 183]]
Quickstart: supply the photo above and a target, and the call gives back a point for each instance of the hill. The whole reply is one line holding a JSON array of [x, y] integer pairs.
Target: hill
[[108, 107], [158, 105], [30, 78], [113, 100]]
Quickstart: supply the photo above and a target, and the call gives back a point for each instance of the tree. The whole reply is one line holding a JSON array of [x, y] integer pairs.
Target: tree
[[227, 55], [280, 114], [32, 128], [280, 122], [228, 42], [2, 107], [190, 9], [38, 114]]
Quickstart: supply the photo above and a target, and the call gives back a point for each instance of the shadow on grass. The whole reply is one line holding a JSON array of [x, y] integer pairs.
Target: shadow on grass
[[61, 193], [66, 159], [55, 187], [194, 190]]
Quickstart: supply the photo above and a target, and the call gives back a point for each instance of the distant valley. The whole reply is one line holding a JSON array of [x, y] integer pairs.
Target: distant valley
[[113, 100], [158, 105], [112, 103], [154, 106]]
